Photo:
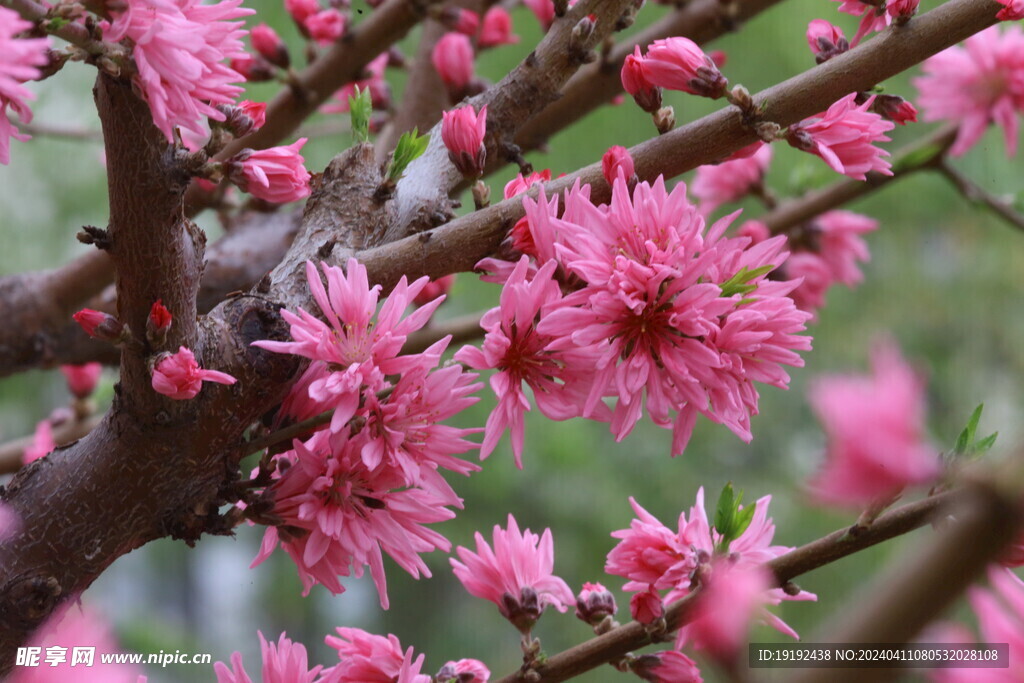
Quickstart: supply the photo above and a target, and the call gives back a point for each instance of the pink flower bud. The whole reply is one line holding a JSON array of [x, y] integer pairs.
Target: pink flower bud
[[1013, 10], [755, 230], [460, 20], [646, 606], [646, 94], [544, 10], [521, 184], [270, 46], [679, 64], [594, 603], [462, 131], [42, 443], [179, 376], [453, 59], [496, 29], [257, 111], [895, 108], [902, 9], [243, 118], [615, 161], [301, 9], [463, 671], [253, 69], [82, 379], [158, 323], [326, 27], [435, 288], [276, 175], [826, 40], [718, 57], [668, 666], [99, 324]]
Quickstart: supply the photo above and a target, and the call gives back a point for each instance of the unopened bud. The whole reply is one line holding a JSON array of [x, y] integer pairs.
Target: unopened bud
[[270, 46], [594, 604], [665, 120], [582, 32], [158, 324], [481, 194], [101, 325]]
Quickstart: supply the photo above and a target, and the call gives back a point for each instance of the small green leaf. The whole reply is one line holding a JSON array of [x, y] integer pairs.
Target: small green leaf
[[410, 147], [57, 23], [725, 510], [966, 438], [985, 445], [743, 519], [737, 284], [360, 107]]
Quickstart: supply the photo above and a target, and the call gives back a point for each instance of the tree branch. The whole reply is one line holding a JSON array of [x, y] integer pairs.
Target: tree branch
[[976, 194]]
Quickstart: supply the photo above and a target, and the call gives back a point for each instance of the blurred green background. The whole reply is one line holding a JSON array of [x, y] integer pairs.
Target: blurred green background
[[944, 280]]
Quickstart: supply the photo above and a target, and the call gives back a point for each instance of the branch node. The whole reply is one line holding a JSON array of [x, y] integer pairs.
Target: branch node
[[90, 234]]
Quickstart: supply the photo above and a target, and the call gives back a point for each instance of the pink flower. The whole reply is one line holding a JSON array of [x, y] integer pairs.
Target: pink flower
[[648, 553], [843, 137], [380, 93], [352, 351], [21, 57], [895, 108], [75, 626], [521, 184], [837, 235], [1012, 10], [667, 666], [270, 46], [817, 279], [99, 324], [658, 305], [463, 671], [277, 175], [634, 81], [873, 18], [730, 181], [903, 9], [725, 608], [826, 40], [435, 288], [679, 64], [368, 658], [646, 606], [594, 603], [874, 426], [519, 353], [515, 575], [300, 10], [544, 10], [179, 48], [453, 59], [283, 662], [42, 443], [496, 29], [977, 84], [462, 131], [326, 27], [179, 376], [615, 161], [82, 379]]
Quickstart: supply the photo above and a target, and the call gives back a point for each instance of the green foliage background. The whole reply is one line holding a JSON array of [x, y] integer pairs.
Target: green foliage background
[[944, 281]]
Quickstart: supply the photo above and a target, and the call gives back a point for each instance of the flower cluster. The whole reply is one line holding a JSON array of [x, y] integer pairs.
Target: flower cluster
[[180, 47], [977, 84], [661, 313], [875, 428], [368, 483], [656, 559], [19, 62]]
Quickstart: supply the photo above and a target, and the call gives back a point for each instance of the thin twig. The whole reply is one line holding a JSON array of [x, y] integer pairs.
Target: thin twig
[[288, 433], [46, 130], [976, 194]]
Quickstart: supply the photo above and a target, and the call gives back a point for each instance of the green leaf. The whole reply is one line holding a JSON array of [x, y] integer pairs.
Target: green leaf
[[57, 23], [410, 147], [743, 519], [966, 438], [737, 284], [725, 510], [360, 107], [985, 445]]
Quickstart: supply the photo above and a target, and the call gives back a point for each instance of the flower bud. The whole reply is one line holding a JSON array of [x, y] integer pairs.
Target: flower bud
[[460, 20], [894, 108], [665, 119], [253, 68], [679, 64], [82, 379], [158, 323], [270, 46], [826, 41], [243, 118], [646, 606], [100, 325], [463, 671], [902, 10], [326, 27], [300, 10], [496, 29], [462, 131], [646, 94], [594, 603], [615, 161], [453, 58]]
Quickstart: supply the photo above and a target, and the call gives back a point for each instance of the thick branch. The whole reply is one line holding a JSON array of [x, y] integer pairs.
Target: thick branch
[[460, 244], [835, 546]]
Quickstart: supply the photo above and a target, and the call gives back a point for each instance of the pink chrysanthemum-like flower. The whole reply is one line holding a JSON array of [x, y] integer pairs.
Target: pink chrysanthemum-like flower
[[844, 138], [179, 376], [654, 558], [283, 662], [977, 84], [19, 59], [516, 574], [353, 352], [462, 131], [463, 671], [875, 430], [496, 29], [180, 47], [277, 175], [453, 58], [369, 658], [681, 319], [730, 181], [679, 64], [519, 353]]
